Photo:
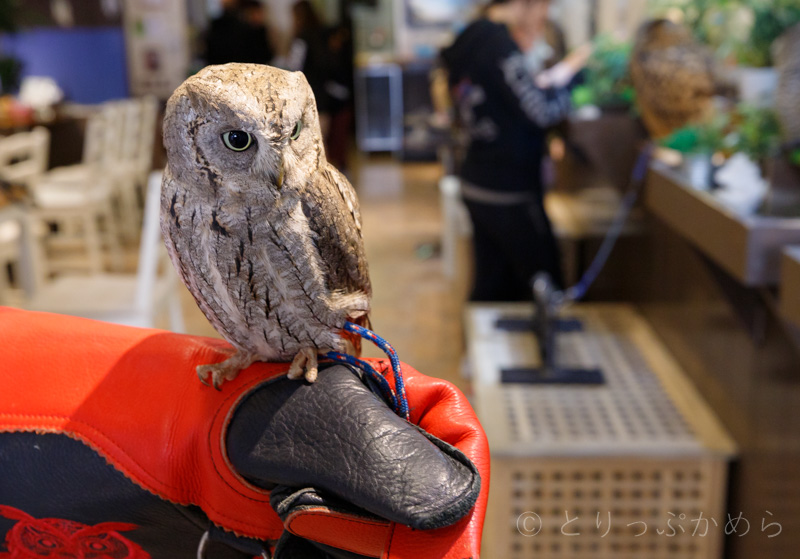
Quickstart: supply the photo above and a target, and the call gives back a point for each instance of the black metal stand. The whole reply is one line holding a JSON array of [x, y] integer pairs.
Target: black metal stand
[[562, 375], [545, 325]]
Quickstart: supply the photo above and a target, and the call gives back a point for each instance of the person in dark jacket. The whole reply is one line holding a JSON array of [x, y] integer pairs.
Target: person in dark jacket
[[506, 115], [238, 35]]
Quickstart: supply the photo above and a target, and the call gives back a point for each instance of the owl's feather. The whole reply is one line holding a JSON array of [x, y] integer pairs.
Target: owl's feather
[[787, 96], [268, 240], [673, 76]]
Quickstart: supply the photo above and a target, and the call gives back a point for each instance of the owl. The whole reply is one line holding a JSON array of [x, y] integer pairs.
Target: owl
[[786, 52], [673, 75], [264, 233], [38, 538]]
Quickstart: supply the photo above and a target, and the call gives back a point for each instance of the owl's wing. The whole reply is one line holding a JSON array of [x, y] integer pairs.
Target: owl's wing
[[179, 240], [334, 217]]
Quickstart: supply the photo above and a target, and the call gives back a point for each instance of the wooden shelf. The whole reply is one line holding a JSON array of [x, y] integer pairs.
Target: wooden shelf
[[747, 247], [790, 285]]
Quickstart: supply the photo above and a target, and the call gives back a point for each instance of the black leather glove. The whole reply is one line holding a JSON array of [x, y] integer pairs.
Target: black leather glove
[[341, 466]]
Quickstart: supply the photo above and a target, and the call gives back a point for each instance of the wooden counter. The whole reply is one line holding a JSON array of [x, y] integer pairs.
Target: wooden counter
[[747, 247]]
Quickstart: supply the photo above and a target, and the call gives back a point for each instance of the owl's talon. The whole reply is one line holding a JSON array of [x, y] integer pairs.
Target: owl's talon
[[226, 370], [311, 374], [202, 377], [304, 364]]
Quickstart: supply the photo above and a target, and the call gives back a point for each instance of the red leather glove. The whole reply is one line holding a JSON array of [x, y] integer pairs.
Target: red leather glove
[[101, 423], [346, 473]]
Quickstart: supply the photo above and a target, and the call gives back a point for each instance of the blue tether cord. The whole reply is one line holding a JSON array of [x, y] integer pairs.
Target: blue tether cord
[[397, 399], [638, 174]]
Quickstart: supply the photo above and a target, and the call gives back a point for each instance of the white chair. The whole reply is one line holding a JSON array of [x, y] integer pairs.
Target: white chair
[[24, 155], [132, 299], [23, 158], [117, 158], [456, 224], [78, 198], [134, 160], [9, 254]]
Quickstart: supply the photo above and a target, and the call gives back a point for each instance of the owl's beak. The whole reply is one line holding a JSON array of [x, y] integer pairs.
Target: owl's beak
[[281, 173]]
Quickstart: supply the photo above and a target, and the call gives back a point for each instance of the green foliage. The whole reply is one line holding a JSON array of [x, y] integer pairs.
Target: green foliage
[[706, 137], [10, 68], [757, 132], [794, 156], [702, 17], [740, 29], [769, 22], [10, 73], [754, 131], [607, 77], [8, 15]]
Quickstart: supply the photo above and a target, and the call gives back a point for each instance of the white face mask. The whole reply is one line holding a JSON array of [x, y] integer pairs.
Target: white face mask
[[538, 53]]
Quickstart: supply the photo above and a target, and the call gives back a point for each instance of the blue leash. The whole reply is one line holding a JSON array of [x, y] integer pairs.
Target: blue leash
[[638, 175], [397, 400]]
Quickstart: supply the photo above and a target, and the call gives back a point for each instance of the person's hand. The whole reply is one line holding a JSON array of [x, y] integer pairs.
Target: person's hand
[[563, 72], [344, 471]]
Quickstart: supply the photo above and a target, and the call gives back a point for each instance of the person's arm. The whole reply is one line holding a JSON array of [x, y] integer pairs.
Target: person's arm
[[543, 107], [562, 74]]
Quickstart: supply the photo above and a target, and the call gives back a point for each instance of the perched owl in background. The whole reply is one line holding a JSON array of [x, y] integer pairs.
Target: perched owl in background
[[786, 52], [263, 231], [673, 76]]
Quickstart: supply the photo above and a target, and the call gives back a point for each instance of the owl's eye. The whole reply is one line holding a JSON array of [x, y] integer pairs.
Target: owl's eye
[[297, 129], [237, 140]]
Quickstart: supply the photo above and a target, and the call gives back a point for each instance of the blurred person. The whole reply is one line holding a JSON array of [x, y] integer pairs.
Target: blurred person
[[239, 34], [258, 39], [541, 41], [506, 116], [309, 54], [325, 56], [339, 90]]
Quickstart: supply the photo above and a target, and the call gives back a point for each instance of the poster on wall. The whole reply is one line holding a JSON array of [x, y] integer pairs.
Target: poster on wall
[[422, 27], [437, 13], [156, 36]]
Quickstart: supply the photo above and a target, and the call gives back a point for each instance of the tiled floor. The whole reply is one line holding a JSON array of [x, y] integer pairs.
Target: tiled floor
[[415, 307]]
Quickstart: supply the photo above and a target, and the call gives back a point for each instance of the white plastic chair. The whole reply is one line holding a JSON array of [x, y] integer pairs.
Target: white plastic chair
[[24, 155], [134, 160], [132, 299], [23, 158], [456, 224], [118, 152], [78, 197]]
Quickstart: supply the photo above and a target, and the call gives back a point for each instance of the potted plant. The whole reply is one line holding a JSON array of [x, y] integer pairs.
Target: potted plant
[[606, 78], [757, 77], [698, 145], [604, 103], [757, 133], [742, 32]]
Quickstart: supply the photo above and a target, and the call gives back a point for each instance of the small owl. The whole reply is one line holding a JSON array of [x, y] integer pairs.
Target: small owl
[[263, 231], [673, 76], [786, 52]]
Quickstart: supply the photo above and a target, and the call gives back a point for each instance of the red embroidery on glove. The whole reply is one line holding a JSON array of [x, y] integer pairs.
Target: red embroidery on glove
[[35, 538]]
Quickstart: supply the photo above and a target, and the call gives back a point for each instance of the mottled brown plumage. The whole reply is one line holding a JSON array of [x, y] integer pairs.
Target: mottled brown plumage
[[266, 238], [786, 52], [673, 76]]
